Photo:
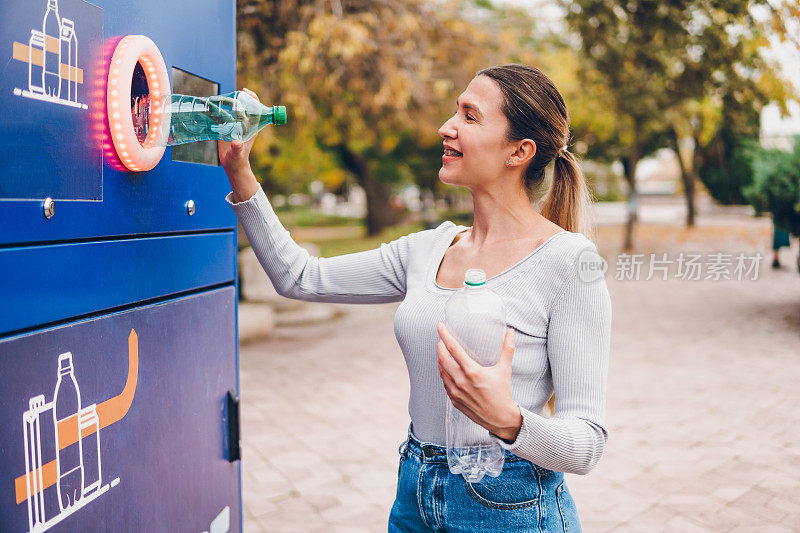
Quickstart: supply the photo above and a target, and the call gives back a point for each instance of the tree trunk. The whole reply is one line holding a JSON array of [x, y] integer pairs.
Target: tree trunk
[[629, 164], [687, 176], [379, 209]]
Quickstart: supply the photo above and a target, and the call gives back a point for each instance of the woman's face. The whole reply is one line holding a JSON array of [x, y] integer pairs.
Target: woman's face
[[477, 135]]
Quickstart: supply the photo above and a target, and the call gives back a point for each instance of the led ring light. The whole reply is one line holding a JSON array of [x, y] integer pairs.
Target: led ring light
[[130, 50]]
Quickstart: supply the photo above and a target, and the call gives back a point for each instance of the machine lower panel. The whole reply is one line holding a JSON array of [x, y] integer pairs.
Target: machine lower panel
[[133, 438]]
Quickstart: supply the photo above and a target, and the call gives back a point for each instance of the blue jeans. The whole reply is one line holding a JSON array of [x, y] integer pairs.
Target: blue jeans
[[524, 497]]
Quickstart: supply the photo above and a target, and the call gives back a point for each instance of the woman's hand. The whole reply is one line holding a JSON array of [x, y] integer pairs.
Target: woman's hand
[[235, 159], [481, 393]]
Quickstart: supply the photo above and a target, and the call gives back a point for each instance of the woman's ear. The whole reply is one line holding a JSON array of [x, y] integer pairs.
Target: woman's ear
[[526, 151]]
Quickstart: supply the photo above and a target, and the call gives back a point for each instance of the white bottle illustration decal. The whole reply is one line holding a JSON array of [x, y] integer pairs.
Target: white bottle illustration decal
[[36, 62], [52, 57], [66, 407], [51, 27], [77, 463], [33, 461], [69, 56], [90, 450]]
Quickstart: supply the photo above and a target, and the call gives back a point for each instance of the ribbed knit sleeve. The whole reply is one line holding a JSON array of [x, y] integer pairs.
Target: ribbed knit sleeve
[[373, 276], [578, 345]]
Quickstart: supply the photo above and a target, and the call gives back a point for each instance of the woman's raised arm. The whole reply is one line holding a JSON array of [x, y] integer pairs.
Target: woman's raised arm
[[373, 276]]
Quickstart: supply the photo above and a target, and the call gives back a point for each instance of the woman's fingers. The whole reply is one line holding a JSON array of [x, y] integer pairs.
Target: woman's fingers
[[446, 362], [507, 353], [232, 155], [251, 93], [449, 386], [468, 366], [222, 149]]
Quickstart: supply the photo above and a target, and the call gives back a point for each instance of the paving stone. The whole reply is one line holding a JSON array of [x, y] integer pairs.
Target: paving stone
[[654, 516], [291, 514], [792, 521], [685, 525], [729, 492], [788, 504], [763, 528], [756, 502], [252, 526]]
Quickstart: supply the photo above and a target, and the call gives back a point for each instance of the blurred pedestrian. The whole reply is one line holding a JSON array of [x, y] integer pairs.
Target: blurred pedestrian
[[780, 239]]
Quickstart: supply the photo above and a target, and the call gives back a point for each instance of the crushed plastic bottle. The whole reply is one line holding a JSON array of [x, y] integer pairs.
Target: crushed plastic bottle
[[477, 319], [170, 119]]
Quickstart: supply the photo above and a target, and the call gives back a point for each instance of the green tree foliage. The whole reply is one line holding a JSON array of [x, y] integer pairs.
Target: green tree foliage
[[776, 184], [669, 66], [723, 165], [365, 79]]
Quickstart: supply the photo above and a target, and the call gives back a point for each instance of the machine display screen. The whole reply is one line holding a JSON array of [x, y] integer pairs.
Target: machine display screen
[[204, 152]]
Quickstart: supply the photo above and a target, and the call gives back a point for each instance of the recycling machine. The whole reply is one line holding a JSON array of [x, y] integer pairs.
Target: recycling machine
[[118, 293]]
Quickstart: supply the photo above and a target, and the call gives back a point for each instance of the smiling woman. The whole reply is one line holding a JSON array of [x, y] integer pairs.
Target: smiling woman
[[511, 122]]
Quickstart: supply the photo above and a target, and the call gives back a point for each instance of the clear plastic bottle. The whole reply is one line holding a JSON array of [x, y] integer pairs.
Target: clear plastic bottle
[[477, 319], [170, 119], [69, 460]]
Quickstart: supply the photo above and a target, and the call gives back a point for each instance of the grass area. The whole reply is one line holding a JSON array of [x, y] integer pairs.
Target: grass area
[[457, 217], [301, 217], [337, 235], [355, 241]]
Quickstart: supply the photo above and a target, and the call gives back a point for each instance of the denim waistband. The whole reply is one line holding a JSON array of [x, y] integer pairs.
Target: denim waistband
[[434, 453]]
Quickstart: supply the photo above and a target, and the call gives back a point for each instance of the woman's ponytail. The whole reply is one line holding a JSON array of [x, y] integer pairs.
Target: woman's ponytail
[[568, 200]]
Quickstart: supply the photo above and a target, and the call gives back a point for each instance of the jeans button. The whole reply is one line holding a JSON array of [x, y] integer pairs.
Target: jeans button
[[428, 452]]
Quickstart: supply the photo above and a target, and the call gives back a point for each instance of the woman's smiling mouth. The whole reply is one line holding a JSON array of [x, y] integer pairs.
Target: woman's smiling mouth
[[450, 154]]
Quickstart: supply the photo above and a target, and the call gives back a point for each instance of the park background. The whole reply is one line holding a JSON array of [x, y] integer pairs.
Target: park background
[[684, 115]]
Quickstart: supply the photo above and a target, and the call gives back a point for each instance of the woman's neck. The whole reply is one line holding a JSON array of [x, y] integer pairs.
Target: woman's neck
[[502, 216]]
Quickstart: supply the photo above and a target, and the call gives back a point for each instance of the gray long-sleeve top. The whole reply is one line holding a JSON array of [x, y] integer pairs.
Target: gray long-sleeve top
[[562, 326]]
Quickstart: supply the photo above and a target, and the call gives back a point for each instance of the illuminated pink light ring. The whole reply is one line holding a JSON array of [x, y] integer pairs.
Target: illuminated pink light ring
[[130, 50]]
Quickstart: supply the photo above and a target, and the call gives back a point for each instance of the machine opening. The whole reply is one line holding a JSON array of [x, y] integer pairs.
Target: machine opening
[[136, 61], [140, 102]]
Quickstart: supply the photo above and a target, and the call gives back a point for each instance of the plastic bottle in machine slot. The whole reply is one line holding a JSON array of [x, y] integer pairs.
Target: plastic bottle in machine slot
[[170, 119], [476, 317]]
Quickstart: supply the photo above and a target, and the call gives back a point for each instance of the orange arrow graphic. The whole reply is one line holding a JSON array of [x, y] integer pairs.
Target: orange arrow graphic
[[110, 411]]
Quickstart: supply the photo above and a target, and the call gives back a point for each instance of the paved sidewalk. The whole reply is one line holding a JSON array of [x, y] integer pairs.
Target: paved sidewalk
[[703, 411]]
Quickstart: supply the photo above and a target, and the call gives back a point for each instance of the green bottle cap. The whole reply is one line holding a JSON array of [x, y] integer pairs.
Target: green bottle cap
[[279, 115]]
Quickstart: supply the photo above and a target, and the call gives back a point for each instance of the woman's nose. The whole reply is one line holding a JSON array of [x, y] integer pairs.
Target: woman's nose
[[447, 130]]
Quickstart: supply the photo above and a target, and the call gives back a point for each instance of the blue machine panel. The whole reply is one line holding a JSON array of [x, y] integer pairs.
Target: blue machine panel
[[118, 423], [196, 36], [49, 144], [43, 284]]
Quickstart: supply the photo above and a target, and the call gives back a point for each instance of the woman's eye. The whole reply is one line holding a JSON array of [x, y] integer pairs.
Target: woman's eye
[[469, 117]]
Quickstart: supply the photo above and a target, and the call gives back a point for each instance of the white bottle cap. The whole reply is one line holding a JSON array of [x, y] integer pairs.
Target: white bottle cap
[[475, 276], [65, 362]]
